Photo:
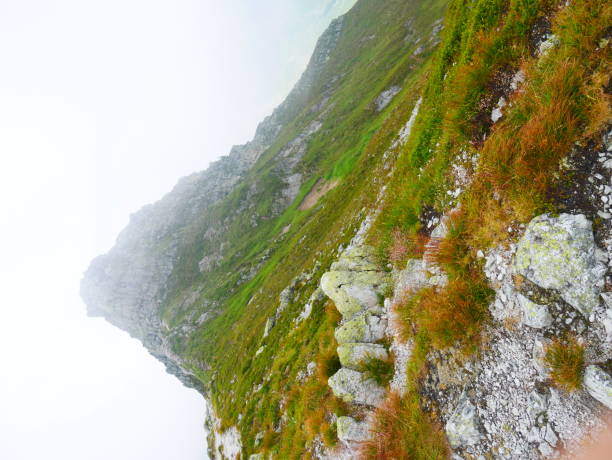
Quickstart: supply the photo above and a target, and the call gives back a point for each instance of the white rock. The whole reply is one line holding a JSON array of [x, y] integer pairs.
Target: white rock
[[559, 253], [354, 387], [538, 353], [534, 315], [353, 355], [462, 426], [497, 112], [549, 43], [350, 429], [599, 384]]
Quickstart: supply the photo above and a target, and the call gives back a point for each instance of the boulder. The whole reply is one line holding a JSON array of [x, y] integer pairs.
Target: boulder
[[367, 327], [353, 355], [599, 384], [559, 253], [355, 282], [534, 315], [412, 278], [350, 429], [462, 426], [355, 387]]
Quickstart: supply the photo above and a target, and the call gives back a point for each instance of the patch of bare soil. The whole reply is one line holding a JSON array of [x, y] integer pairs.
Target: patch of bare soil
[[320, 188]]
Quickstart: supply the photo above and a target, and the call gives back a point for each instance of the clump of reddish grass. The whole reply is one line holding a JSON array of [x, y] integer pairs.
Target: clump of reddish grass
[[565, 357], [453, 313], [400, 430], [404, 246]]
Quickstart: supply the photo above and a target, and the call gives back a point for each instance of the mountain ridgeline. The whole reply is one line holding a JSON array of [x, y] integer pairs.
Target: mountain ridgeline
[[349, 283]]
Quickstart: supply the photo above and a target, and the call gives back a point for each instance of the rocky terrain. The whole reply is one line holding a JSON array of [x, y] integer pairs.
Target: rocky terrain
[[411, 259]]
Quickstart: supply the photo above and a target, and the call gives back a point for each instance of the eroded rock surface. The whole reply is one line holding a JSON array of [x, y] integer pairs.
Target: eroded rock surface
[[368, 327]]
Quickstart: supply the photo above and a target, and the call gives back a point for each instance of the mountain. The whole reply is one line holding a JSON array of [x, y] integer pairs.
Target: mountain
[[410, 258]]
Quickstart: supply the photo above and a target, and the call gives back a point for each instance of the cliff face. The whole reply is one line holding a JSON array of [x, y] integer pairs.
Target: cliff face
[[423, 224]]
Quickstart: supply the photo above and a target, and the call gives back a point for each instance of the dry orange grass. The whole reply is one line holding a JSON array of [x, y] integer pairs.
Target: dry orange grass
[[565, 357], [400, 430]]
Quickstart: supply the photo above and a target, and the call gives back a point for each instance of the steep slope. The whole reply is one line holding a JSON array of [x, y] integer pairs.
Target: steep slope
[[197, 275], [377, 234]]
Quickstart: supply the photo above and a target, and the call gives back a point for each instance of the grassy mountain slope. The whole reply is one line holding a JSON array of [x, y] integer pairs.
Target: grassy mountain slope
[[213, 277]]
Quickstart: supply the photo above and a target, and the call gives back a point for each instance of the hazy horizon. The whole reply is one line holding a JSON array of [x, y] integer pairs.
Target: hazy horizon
[[103, 107]]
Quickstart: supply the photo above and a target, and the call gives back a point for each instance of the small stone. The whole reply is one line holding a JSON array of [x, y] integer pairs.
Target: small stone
[[534, 315], [462, 426], [350, 429], [604, 215], [599, 384]]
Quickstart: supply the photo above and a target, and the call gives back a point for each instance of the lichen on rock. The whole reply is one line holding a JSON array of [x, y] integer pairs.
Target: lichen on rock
[[355, 387], [462, 426], [355, 282], [559, 253], [350, 429], [534, 315], [368, 327], [354, 355]]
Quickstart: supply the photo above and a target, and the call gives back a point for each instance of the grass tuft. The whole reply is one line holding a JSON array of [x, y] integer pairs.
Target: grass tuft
[[565, 357], [380, 370]]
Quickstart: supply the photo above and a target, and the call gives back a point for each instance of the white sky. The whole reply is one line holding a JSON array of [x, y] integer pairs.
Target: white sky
[[103, 106]]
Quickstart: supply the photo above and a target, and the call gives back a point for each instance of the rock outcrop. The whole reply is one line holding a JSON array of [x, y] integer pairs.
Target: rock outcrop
[[356, 284], [356, 387], [558, 253]]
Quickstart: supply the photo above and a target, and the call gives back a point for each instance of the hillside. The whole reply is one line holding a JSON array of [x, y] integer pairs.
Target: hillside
[[410, 259]]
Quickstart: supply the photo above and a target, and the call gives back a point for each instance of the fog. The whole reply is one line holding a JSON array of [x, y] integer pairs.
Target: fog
[[103, 106]]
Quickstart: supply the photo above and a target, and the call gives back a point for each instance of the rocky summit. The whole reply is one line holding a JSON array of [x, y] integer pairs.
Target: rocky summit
[[412, 257]]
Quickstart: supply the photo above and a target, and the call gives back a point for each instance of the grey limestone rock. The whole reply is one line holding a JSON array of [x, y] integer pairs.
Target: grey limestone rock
[[353, 355], [462, 426], [385, 97], [559, 253], [534, 315], [355, 387], [354, 282], [599, 384], [367, 327], [350, 429]]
